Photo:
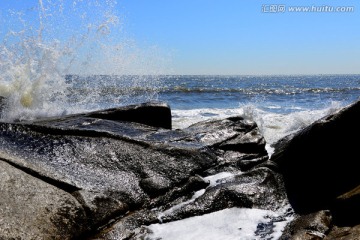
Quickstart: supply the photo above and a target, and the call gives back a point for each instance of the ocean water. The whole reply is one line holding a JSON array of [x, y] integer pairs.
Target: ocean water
[[280, 105]]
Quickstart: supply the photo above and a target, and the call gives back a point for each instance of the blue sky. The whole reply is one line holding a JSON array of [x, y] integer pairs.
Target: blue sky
[[236, 37]]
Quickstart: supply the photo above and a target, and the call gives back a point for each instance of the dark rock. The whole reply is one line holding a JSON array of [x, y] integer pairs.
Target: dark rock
[[117, 169], [130, 226], [2, 105], [177, 194], [259, 188], [320, 162], [245, 162], [155, 185], [2, 99], [33, 209], [313, 226], [108, 166], [237, 142], [194, 183], [234, 133], [153, 114], [346, 208]]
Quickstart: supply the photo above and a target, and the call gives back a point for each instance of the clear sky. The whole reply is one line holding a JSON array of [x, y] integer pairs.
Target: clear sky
[[238, 37]]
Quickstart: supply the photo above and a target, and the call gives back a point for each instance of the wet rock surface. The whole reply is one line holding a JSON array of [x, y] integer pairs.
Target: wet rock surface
[[312, 226], [33, 209], [236, 141], [104, 175], [117, 169], [319, 166], [259, 188]]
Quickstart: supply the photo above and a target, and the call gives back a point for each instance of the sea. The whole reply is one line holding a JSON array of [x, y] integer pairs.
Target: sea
[[279, 104]]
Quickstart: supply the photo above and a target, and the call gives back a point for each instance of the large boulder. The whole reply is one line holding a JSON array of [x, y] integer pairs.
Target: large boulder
[[117, 166], [155, 114], [108, 172], [33, 209], [108, 166], [321, 162]]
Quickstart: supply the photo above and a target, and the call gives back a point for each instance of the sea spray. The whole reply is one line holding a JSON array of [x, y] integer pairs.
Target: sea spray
[[47, 47], [273, 126], [280, 105]]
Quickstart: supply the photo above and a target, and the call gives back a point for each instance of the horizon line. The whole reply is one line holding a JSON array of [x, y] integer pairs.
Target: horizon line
[[242, 75]]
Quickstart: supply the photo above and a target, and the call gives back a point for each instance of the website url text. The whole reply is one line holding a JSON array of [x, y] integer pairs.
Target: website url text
[[281, 8]]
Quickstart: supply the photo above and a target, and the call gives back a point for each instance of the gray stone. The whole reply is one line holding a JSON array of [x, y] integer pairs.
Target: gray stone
[[155, 185], [33, 209], [106, 170], [119, 170]]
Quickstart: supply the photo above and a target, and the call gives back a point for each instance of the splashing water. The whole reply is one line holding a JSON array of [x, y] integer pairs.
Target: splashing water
[[43, 44]]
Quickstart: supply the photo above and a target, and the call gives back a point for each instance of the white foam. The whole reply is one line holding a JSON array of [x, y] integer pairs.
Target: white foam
[[185, 118], [227, 224], [218, 178], [273, 126]]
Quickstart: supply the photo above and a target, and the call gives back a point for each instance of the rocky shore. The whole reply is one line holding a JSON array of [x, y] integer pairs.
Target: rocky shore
[[110, 174]]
